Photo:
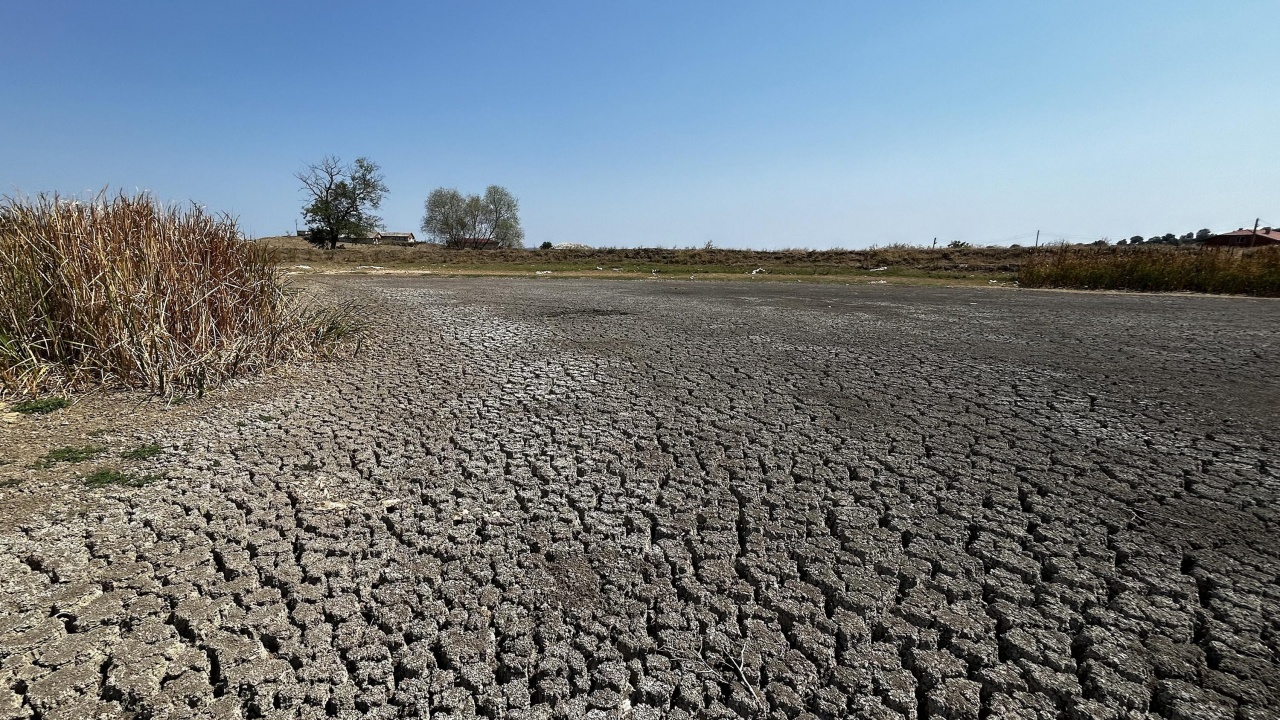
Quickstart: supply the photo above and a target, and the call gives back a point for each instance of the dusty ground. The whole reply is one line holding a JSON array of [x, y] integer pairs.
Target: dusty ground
[[592, 499]]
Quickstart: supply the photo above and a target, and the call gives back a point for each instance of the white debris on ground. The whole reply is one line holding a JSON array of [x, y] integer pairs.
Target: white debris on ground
[[879, 269]]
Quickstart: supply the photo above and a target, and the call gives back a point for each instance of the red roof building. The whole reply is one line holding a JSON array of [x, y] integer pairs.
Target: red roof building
[[1245, 237]]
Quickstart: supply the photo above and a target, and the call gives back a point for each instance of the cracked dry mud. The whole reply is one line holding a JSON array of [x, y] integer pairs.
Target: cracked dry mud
[[596, 500]]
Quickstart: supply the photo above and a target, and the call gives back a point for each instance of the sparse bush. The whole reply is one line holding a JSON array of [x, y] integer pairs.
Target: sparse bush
[[40, 406], [103, 477], [1155, 268], [68, 455], [142, 452], [126, 291]]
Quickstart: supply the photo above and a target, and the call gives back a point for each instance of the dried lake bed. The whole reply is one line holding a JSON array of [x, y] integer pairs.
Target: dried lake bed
[[652, 499]]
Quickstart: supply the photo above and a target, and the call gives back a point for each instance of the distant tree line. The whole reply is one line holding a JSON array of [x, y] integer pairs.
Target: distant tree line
[[1170, 239], [342, 198]]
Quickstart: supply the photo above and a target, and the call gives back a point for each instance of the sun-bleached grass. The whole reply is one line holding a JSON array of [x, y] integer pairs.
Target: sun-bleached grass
[[123, 291], [294, 251], [1254, 271]]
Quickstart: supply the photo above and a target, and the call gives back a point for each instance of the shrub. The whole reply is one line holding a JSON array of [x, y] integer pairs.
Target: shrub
[[1155, 268], [125, 291]]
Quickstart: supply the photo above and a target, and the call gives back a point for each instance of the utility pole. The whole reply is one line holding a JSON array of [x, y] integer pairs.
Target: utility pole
[[1037, 238], [935, 243], [1253, 241]]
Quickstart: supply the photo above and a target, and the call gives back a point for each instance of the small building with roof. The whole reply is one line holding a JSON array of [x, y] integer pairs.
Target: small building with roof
[[384, 238], [396, 238], [1245, 237]]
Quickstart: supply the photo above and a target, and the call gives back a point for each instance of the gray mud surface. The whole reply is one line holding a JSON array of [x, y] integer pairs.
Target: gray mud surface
[[588, 499]]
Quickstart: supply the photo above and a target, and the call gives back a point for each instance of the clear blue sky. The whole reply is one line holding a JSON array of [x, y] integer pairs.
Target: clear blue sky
[[750, 124]]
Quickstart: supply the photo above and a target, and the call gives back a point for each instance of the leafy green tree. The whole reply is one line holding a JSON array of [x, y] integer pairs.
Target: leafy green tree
[[502, 217], [546, 245], [445, 219], [1203, 234], [958, 244], [341, 199], [1136, 240], [457, 221]]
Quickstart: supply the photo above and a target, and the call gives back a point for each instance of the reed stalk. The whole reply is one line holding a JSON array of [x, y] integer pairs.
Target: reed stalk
[[121, 290]]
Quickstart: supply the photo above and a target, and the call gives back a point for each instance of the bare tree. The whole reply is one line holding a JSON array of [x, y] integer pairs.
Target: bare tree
[[342, 199]]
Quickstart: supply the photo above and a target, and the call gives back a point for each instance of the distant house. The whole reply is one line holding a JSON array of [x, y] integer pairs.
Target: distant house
[[385, 238], [1245, 237], [396, 238]]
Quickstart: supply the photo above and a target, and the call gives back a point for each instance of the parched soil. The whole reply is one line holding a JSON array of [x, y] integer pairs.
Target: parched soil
[[586, 499]]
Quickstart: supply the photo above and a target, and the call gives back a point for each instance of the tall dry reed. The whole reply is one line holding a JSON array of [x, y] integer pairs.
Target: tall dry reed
[[124, 291], [1254, 271]]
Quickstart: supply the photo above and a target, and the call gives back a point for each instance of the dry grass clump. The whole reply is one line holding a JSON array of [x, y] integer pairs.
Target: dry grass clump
[[124, 291], [1253, 271]]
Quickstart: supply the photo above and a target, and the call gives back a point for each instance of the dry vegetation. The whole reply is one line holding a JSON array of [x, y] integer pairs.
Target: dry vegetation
[[897, 258], [1145, 268], [1253, 271], [123, 291]]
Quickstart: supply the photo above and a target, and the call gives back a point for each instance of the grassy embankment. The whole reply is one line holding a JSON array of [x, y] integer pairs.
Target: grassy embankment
[[890, 263], [1143, 268], [125, 292], [1254, 271]]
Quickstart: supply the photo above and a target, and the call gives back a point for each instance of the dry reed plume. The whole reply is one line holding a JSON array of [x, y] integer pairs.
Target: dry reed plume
[[124, 291], [1253, 271]]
